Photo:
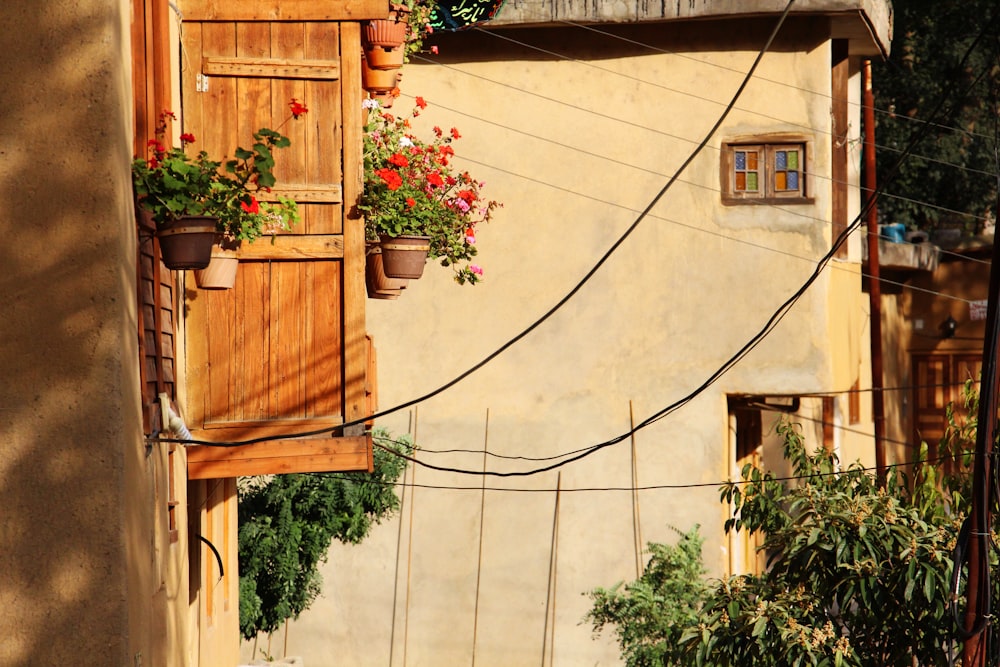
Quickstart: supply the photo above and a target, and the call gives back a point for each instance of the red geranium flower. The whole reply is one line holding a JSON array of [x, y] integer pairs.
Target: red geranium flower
[[391, 177], [411, 202], [252, 207], [399, 160], [298, 108], [455, 134], [421, 103], [187, 138], [434, 178]]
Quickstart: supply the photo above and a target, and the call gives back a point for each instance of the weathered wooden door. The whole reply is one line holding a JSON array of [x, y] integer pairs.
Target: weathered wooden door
[[285, 351]]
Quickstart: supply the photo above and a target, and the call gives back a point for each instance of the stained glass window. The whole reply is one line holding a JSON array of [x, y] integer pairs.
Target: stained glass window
[[786, 170], [746, 170], [766, 171]]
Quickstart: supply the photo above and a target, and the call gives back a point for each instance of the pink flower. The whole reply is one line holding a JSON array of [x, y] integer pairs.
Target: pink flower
[[434, 49], [475, 268]]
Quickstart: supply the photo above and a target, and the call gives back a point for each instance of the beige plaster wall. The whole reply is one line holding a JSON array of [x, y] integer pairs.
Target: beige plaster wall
[[75, 485], [576, 148]]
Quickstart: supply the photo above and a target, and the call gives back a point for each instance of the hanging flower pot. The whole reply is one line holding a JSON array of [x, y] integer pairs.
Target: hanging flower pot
[[221, 270], [384, 39], [186, 243], [378, 80], [380, 286], [404, 256], [385, 98], [385, 58]]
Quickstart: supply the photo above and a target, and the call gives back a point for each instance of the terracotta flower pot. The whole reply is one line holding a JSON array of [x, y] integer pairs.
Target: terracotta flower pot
[[380, 286], [221, 270], [186, 243], [384, 40], [385, 98], [404, 256], [379, 57], [378, 80]]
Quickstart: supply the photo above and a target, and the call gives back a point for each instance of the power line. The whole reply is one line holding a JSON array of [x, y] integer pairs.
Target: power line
[[559, 304], [692, 95]]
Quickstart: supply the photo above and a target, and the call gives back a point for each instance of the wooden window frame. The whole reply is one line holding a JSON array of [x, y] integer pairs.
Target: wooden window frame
[[767, 145]]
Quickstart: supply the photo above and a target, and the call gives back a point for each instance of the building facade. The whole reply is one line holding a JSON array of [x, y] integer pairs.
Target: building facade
[[576, 118]]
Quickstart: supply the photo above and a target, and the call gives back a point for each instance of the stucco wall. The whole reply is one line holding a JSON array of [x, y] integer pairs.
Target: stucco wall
[[75, 542], [576, 145]]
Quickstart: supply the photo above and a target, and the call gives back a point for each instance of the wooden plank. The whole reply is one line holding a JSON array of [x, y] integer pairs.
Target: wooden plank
[[233, 431], [305, 193], [325, 128], [280, 457], [286, 333], [295, 246], [354, 294], [325, 371], [283, 10], [272, 68]]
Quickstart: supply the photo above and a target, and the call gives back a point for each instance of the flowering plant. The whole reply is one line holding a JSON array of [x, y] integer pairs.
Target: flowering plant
[[170, 183], [412, 188]]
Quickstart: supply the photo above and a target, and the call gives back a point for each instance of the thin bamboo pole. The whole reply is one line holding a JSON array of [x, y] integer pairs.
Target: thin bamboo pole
[[411, 470], [636, 522], [482, 515], [409, 545], [550, 593]]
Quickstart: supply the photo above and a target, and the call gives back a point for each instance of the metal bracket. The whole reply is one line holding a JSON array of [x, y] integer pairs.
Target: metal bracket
[[201, 83]]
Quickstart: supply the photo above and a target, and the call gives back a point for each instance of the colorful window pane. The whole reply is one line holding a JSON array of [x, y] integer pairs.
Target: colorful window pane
[[767, 170], [745, 175]]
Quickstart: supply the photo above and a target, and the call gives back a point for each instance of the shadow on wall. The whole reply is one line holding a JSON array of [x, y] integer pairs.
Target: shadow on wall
[[67, 401]]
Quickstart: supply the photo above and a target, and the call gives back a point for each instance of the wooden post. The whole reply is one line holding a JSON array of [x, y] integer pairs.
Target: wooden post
[[874, 287]]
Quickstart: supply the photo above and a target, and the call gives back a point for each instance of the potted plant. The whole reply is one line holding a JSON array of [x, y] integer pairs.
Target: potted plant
[[416, 203], [389, 42], [194, 196]]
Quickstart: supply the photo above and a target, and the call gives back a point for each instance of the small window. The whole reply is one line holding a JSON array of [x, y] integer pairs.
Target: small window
[[764, 173]]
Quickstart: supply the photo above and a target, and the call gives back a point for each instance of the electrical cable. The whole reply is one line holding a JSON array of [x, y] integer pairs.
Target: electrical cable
[[559, 304], [854, 469], [923, 204], [776, 82], [718, 234], [507, 38], [778, 315]]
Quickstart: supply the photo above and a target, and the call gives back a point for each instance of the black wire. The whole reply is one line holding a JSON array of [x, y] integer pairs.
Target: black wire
[[583, 281]]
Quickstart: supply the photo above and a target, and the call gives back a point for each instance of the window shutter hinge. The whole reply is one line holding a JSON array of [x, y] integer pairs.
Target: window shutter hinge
[[201, 83]]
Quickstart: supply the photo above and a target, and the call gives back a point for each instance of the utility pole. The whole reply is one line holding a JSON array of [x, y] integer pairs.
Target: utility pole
[[874, 284], [977, 597]]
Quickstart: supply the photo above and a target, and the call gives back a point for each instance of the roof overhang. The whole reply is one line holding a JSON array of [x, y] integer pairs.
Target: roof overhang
[[866, 24]]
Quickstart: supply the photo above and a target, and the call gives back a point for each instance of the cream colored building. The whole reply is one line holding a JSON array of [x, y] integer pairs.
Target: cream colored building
[[575, 116]]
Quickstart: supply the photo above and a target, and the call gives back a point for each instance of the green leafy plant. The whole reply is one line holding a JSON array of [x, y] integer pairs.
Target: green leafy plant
[[171, 183], [857, 575], [649, 614], [412, 188], [287, 523]]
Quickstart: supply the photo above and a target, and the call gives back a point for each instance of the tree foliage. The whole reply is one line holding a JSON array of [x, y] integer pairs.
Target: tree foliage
[[857, 575], [286, 526], [951, 166]]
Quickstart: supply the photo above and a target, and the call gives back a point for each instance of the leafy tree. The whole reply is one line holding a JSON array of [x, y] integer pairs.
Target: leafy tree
[[951, 166], [286, 525], [658, 606], [857, 575]]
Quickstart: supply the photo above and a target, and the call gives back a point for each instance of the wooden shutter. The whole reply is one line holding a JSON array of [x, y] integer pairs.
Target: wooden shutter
[[285, 351]]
